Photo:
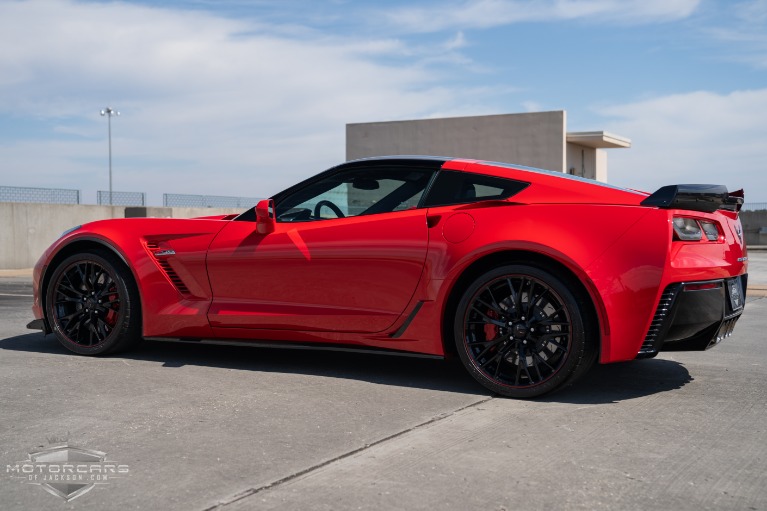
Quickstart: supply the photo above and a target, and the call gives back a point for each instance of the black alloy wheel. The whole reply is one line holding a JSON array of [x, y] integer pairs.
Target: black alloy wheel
[[521, 332], [92, 304]]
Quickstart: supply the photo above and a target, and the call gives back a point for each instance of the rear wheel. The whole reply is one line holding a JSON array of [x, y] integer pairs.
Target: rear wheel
[[92, 304], [521, 332]]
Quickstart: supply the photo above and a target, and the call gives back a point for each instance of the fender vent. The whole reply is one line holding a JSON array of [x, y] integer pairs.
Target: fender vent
[[173, 276], [652, 341], [159, 254]]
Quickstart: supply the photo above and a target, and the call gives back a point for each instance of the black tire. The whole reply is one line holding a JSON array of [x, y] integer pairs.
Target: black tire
[[521, 332], [92, 304]]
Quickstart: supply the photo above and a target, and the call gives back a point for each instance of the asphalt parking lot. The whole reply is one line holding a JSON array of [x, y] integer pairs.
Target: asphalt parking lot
[[217, 427]]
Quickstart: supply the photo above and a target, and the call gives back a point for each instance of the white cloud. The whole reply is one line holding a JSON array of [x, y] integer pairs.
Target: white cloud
[[233, 107], [243, 106], [745, 37], [490, 13], [459, 41], [698, 137], [532, 106]]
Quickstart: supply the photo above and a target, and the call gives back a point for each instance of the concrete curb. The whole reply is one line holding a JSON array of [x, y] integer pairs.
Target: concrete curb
[[24, 272]]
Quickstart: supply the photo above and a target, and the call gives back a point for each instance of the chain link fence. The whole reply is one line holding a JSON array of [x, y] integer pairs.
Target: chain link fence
[[182, 200], [47, 195], [64, 196], [121, 198], [754, 206]]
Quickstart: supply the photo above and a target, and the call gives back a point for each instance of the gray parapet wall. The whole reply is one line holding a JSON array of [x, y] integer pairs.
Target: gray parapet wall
[[27, 229]]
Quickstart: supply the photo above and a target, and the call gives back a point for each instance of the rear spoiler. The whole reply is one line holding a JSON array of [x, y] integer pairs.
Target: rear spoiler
[[705, 198]]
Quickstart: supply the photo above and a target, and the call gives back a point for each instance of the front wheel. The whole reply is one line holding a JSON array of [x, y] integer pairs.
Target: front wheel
[[92, 304], [521, 332]]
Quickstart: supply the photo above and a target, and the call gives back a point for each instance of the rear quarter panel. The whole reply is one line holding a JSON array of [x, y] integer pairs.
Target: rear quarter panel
[[618, 253]]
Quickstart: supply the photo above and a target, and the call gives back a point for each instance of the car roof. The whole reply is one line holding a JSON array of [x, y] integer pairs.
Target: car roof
[[400, 159], [468, 165]]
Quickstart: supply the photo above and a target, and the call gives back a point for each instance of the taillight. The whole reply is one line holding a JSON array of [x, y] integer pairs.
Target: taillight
[[687, 229], [691, 229], [711, 230]]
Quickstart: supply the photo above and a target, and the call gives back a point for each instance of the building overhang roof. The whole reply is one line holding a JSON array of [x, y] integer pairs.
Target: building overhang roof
[[598, 139]]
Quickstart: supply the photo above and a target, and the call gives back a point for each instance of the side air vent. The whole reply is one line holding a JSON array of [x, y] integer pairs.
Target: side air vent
[[173, 276], [653, 340], [161, 251]]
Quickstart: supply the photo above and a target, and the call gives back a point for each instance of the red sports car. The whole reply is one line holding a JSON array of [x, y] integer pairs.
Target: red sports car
[[530, 276]]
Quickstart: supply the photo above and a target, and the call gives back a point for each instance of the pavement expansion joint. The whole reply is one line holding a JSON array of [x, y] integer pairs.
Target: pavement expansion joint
[[254, 491]]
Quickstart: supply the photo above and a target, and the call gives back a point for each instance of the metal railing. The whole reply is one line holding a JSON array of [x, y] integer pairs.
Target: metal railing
[[46, 195], [121, 198], [170, 200], [181, 200]]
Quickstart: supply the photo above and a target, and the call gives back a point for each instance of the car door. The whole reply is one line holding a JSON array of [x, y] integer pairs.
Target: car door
[[346, 255]]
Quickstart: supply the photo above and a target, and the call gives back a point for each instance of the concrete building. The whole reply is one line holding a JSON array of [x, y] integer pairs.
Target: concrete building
[[538, 139]]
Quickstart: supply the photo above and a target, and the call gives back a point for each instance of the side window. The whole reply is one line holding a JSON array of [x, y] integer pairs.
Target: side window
[[453, 187], [354, 192]]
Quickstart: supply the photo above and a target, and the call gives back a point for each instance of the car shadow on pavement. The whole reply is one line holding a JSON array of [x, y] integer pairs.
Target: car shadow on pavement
[[611, 383], [603, 384], [400, 371]]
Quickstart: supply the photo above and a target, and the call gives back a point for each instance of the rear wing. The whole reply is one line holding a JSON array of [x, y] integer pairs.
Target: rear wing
[[705, 198]]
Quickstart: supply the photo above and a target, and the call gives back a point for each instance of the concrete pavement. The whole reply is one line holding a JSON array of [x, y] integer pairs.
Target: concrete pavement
[[207, 427]]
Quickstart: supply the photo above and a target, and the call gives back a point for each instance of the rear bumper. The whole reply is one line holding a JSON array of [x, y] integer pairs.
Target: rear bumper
[[695, 316]]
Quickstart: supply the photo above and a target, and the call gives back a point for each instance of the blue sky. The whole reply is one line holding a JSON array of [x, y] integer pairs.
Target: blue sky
[[237, 97]]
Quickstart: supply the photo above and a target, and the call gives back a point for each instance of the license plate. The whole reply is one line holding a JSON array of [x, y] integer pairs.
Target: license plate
[[735, 290]]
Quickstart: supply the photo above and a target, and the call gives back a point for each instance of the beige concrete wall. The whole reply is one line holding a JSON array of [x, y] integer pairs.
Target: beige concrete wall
[[533, 139], [193, 212], [581, 160], [587, 162], [27, 229], [601, 169]]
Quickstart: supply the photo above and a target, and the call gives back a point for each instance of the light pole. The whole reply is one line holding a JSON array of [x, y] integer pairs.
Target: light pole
[[109, 112]]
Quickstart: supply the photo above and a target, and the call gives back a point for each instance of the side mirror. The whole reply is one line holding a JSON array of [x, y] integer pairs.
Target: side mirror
[[265, 216]]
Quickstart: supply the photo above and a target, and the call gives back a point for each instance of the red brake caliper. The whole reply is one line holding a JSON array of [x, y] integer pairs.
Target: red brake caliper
[[491, 331]]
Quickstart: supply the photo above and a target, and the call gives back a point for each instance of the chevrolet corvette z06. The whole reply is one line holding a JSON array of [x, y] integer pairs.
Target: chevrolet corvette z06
[[528, 276]]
